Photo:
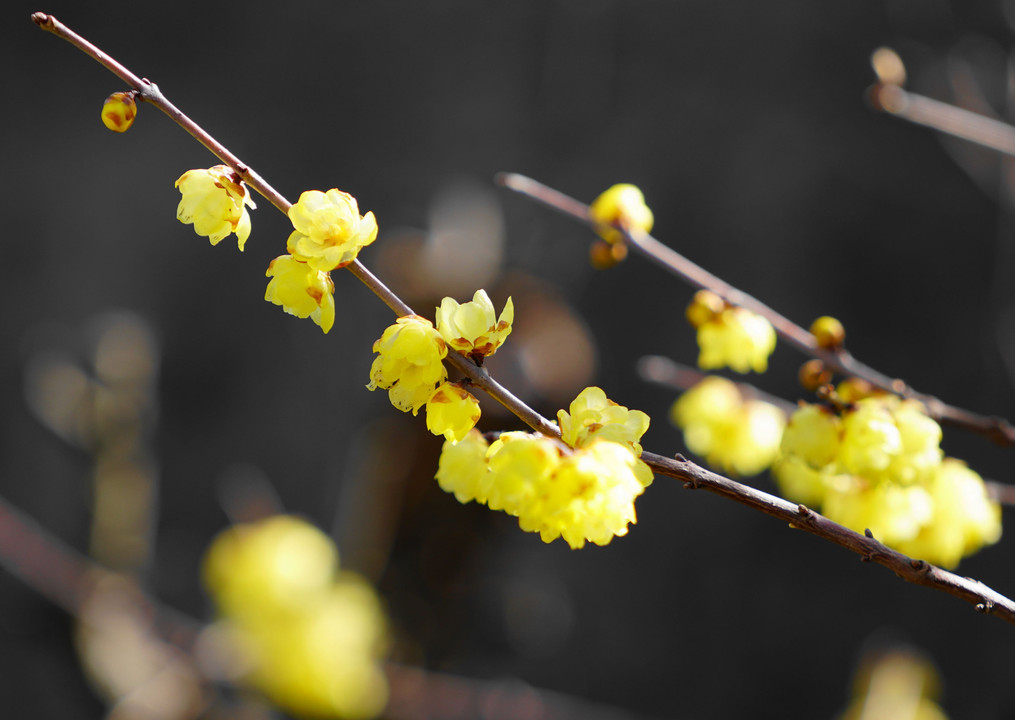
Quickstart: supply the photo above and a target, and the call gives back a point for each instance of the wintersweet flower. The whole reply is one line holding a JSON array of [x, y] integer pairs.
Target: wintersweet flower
[[594, 416], [329, 229], [736, 338], [521, 465], [589, 497], [215, 201], [409, 362], [118, 111], [622, 205], [452, 411], [462, 467], [473, 328], [301, 290]]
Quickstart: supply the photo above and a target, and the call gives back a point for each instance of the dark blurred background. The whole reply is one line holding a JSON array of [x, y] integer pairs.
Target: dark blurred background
[[745, 124]]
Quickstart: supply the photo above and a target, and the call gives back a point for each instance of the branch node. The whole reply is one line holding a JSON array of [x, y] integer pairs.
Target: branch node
[[803, 510], [43, 20], [985, 607], [867, 533], [680, 458], [691, 485], [919, 565]]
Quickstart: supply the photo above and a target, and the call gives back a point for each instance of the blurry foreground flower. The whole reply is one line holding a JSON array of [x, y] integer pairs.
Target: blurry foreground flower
[[329, 229], [473, 328], [452, 411], [310, 637], [215, 201], [301, 290], [409, 362], [730, 336], [733, 433], [118, 111], [893, 685], [622, 205]]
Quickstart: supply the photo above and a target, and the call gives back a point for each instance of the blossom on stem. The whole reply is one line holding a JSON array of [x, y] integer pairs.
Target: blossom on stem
[[301, 290], [622, 205], [730, 336], [329, 231], [409, 362], [118, 111], [215, 201], [452, 411], [473, 328]]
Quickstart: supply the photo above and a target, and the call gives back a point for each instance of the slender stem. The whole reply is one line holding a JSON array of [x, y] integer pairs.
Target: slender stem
[[150, 93], [997, 429], [985, 599]]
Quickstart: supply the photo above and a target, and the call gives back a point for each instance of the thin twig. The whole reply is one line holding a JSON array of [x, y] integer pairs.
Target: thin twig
[[997, 429], [150, 93], [919, 572]]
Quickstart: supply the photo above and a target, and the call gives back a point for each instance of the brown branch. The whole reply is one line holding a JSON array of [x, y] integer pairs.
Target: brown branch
[[150, 93], [919, 572], [995, 428]]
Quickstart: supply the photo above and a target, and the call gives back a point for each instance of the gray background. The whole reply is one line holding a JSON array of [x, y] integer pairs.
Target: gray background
[[745, 124]]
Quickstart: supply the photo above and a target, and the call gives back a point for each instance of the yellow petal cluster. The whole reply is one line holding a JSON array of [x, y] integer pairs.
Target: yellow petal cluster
[[215, 201], [592, 416], [473, 328], [329, 231], [735, 434], [452, 411], [118, 111], [736, 338], [307, 635], [877, 464], [301, 290], [409, 362], [623, 205]]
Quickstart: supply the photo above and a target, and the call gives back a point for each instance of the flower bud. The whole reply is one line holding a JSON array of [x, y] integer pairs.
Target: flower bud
[[118, 111], [704, 307], [828, 332], [813, 374]]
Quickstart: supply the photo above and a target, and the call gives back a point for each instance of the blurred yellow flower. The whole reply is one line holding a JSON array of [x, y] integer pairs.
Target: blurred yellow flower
[[301, 290], [736, 338], [329, 229], [473, 328], [622, 205], [215, 201]]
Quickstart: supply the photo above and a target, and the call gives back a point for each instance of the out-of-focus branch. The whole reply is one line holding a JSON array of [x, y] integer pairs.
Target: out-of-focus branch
[[997, 429]]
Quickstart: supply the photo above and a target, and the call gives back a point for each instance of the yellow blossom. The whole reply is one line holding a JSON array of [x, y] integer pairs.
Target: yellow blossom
[[118, 111], [593, 416], [409, 362], [462, 467], [521, 464], [451, 411], [736, 338], [215, 201], [590, 496], [622, 205], [732, 433], [301, 290], [329, 229], [473, 328]]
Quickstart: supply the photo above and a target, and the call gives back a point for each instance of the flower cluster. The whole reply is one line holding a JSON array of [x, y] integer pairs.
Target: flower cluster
[[410, 355], [582, 490], [310, 637], [734, 433], [730, 336], [215, 201], [877, 464]]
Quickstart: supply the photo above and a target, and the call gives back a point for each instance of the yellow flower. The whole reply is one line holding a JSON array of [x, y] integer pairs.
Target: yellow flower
[[736, 338], [452, 412], [268, 567], [521, 464], [593, 416], [118, 111], [462, 467], [590, 496], [301, 290], [732, 433], [215, 201], [622, 205], [409, 364], [472, 328], [329, 230]]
